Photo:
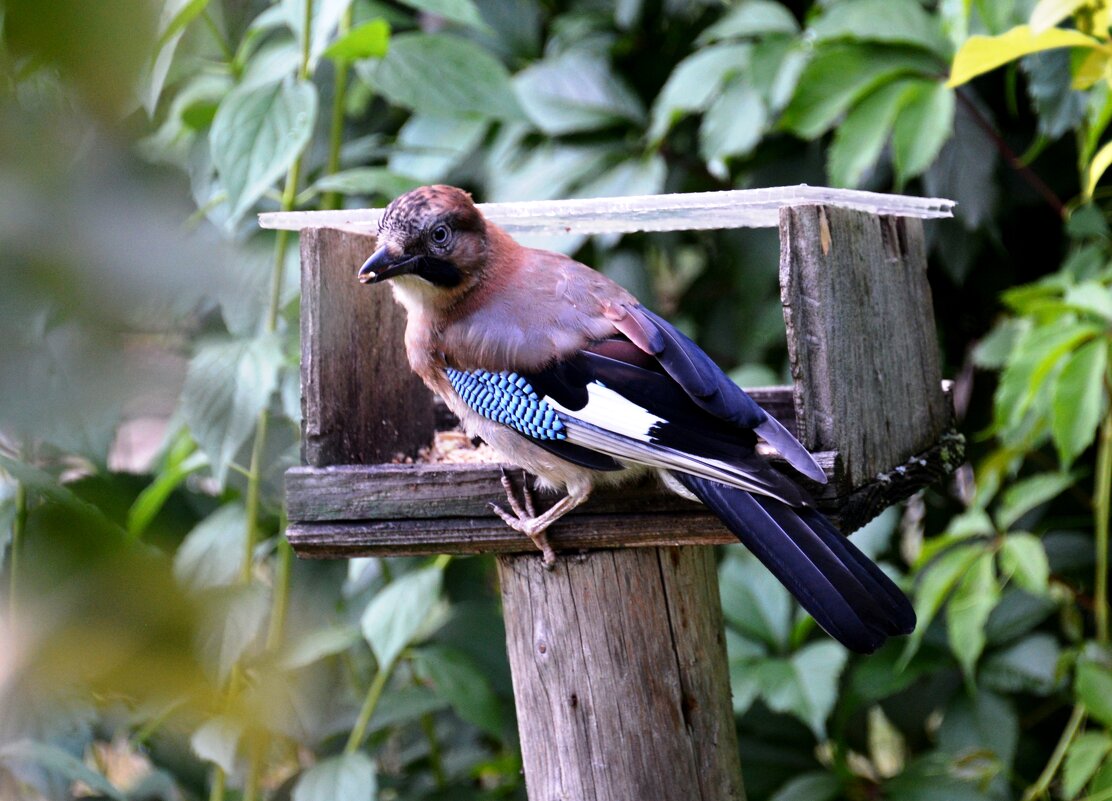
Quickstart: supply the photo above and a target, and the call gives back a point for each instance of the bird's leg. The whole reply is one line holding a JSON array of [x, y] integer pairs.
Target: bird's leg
[[528, 522]]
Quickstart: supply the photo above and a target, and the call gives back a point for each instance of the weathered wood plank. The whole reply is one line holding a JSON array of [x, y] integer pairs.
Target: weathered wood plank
[[620, 676], [360, 402], [861, 336]]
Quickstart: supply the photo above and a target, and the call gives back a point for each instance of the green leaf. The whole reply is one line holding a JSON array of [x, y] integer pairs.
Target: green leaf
[[1091, 296], [1093, 684], [455, 677], [396, 614], [326, 16], [810, 787], [1023, 496], [975, 596], [211, 555], [317, 644], [980, 54], [1017, 614], [366, 181], [217, 741], [1102, 160], [922, 128], [47, 487], [57, 761], [428, 148], [733, 124], [806, 685], [694, 84], [840, 75], [981, 722], [1079, 400], [256, 135], [1023, 560], [860, 138], [1082, 760], [935, 583], [227, 385], [902, 22], [753, 601], [348, 777], [405, 706], [151, 500], [751, 18], [233, 621], [445, 75], [1028, 666], [462, 11], [993, 352], [576, 91], [1048, 13], [369, 40]]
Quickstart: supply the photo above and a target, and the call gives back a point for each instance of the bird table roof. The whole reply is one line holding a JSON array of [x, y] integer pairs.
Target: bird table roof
[[736, 208]]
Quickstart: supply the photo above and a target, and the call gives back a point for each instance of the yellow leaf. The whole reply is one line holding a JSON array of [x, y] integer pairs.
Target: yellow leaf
[[1090, 70], [983, 53], [1097, 166], [1049, 13]]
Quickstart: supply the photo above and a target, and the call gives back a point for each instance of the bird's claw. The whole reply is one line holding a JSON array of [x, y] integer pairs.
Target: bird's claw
[[524, 517]]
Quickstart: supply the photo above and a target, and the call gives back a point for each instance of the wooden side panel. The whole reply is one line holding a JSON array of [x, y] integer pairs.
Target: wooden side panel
[[861, 337], [360, 402], [620, 676]]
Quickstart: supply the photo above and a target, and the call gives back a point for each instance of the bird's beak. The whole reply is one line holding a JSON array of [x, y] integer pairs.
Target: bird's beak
[[382, 266]]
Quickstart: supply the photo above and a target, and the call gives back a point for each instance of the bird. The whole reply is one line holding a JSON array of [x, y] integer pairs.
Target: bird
[[566, 374]]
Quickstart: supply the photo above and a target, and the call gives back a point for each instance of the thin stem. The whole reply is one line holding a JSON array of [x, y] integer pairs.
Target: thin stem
[[281, 595], [374, 693], [336, 132], [1042, 784], [1102, 507], [428, 725], [19, 526], [254, 482], [214, 29], [216, 793], [306, 40], [254, 768]]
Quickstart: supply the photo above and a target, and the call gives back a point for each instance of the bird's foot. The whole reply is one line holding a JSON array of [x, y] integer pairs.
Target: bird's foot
[[524, 517]]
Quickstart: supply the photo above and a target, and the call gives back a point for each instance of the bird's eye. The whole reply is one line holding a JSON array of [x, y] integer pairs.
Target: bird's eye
[[440, 234]]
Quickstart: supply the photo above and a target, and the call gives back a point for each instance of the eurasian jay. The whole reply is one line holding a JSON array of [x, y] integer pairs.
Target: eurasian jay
[[565, 373]]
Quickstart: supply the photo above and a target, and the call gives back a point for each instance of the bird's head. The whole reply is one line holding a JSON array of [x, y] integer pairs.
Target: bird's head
[[432, 240]]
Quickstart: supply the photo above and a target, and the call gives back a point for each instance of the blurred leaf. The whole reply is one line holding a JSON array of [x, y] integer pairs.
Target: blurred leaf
[[228, 384], [462, 11], [981, 722], [350, 777], [1093, 684], [151, 500], [44, 485], [456, 678], [369, 40], [366, 181], [326, 15], [316, 645], [924, 124], [1024, 495], [733, 124], [805, 685], [397, 612], [445, 75], [1082, 760], [694, 83], [217, 741], [277, 60], [405, 705], [1102, 159], [994, 350], [58, 761], [839, 75], [903, 22], [1028, 666], [1048, 13], [1079, 400], [1060, 109], [975, 596], [212, 555], [810, 787], [864, 132], [234, 618], [257, 134], [750, 18], [1018, 613], [935, 582], [980, 54], [753, 601], [575, 91], [775, 69], [964, 171], [930, 778], [1023, 560], [1091, 296], [427, 148]]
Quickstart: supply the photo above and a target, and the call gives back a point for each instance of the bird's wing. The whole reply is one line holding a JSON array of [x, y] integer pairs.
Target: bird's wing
[[706, 384]]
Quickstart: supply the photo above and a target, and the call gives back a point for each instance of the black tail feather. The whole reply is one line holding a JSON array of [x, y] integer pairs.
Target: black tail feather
[[846, 594]]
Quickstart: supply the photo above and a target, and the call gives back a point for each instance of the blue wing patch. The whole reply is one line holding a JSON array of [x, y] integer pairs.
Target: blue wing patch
[[509, 399]]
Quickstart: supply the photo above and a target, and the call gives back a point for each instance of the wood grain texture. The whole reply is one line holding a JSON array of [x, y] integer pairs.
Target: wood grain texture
[[620, 676], [360, 402], [861, 337]]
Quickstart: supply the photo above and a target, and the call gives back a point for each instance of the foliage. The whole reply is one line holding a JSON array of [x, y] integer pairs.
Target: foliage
[[177, 650]]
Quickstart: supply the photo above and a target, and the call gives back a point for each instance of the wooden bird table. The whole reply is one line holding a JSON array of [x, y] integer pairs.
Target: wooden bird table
[[618, 654]]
